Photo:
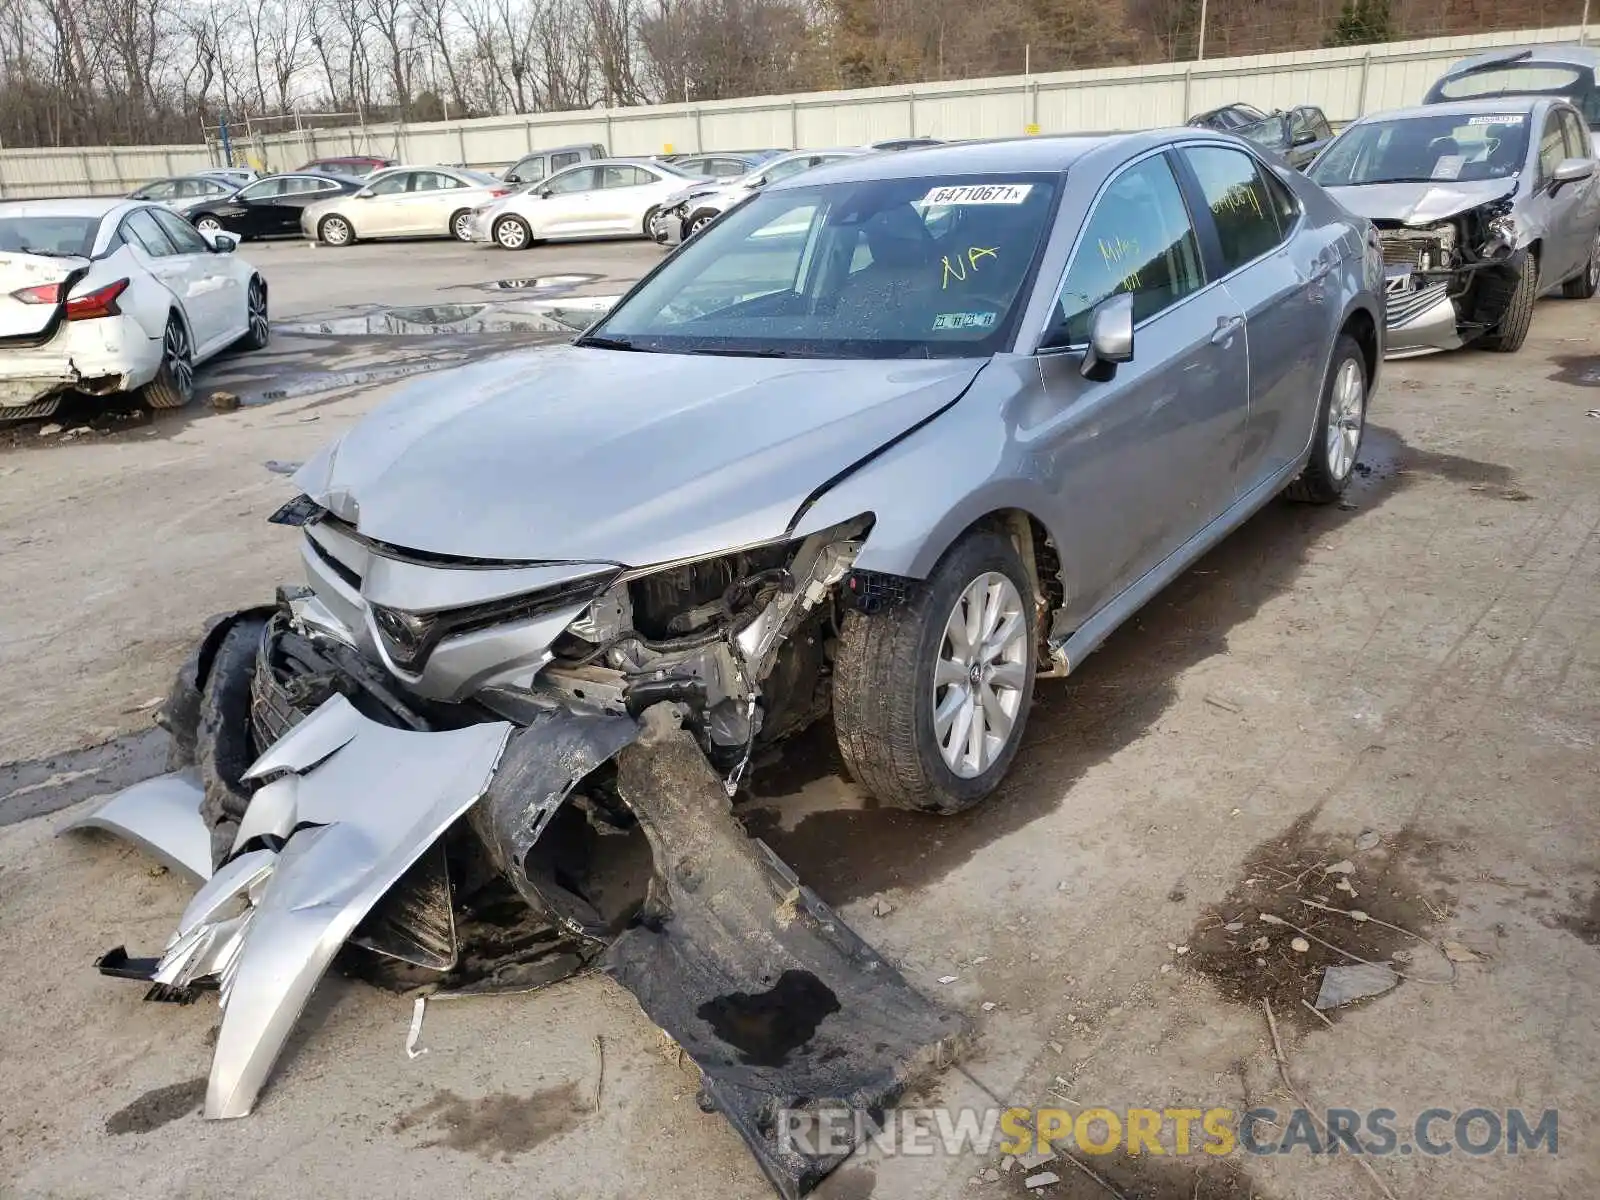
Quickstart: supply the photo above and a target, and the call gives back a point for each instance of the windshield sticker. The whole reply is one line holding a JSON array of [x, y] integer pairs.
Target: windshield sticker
[[965, 262], [980, 193], [968, 320], [1507, 119], [1448, 166]]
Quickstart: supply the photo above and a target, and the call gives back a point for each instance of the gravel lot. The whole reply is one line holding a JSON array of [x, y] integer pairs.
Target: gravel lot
[[1422, 663]]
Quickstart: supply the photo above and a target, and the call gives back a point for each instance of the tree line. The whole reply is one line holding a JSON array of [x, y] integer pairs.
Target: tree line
[[91, 72]]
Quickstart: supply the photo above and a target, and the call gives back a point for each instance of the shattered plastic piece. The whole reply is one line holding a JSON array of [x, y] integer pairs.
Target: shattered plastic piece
[[1234, 926], [1042, 1179], [1165, 967], [1035, 1159], [1368, 839], [774, 1015], [1299, 945], [1346, 984], [882, 908], [415, 1034], [1008, 1162], [1343, 867], [1260, 944], [989, 1006], [49, 430], [947, 978]]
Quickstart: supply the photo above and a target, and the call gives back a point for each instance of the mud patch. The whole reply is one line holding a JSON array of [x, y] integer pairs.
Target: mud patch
[[158, 1107], [1585, 922], [496, 1127], [1286, 876], [47, 785], [1143, 1178]]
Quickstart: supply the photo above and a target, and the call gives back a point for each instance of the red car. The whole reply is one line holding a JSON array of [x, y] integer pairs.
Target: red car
[[355, 164]]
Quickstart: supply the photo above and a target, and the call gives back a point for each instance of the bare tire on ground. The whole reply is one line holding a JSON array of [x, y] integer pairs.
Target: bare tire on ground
[[512, 233], [1512, 330], [1341, 424], [461, 225], [930, 697], [259, 328], [173, 386], [335, 231], [1584, 284]]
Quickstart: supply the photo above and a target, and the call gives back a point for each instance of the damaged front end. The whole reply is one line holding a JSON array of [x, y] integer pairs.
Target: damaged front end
[[471, 777], [1449, 282]]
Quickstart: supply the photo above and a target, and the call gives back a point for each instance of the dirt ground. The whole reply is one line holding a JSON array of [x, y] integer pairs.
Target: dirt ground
[[1405, 689]]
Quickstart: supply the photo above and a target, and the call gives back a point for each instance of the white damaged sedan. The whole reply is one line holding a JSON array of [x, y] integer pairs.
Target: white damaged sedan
[[114, 295]]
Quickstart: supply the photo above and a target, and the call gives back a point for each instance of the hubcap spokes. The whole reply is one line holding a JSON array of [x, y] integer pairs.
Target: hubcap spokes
[[258, 312], [178, 364], [979, 675], [1344, 419]]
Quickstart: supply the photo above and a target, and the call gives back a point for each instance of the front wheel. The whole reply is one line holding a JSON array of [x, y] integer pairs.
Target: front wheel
[[258, 330], [1341, 424], [208, 224], [512, 233], [335, 231], [930, 697], [1587, 282], [698, 222], [173, 386], [1517, 319]]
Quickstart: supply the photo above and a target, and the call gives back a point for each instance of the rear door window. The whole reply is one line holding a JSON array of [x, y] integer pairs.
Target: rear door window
[[565, 158], [1139, 239], [621, 177], [1243, 210], [265, 189]]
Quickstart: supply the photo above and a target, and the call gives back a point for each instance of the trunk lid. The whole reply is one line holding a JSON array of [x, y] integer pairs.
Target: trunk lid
[[20, 271]]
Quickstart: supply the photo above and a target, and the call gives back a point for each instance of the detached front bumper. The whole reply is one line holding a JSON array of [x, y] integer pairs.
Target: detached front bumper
[[1430, 311], [341, 827]]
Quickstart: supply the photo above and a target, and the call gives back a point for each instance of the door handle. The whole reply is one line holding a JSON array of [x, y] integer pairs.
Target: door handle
[[1226, 328]]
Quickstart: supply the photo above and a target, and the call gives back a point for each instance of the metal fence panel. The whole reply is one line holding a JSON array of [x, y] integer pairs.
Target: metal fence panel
[[1346, 82]]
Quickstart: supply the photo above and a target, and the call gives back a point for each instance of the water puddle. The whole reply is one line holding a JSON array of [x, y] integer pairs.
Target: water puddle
[[539, 283], [435, 320]]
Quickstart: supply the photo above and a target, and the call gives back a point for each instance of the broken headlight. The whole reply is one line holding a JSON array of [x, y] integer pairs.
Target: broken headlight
[[408, 638], [1502, 233]]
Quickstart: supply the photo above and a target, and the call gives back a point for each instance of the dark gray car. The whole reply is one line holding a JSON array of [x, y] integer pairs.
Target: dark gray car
[[1482, 207], [888, 441]]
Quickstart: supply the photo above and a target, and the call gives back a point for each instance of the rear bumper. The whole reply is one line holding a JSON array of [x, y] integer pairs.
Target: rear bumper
[[102, 357]]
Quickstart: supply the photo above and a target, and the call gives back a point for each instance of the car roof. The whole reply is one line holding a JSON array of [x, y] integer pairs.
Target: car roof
[[1567, 56], [1052, 153], [75, 206], [1480, 105]]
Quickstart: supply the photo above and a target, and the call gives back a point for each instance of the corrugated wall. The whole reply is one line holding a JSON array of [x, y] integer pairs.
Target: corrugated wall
[[1346, 82]]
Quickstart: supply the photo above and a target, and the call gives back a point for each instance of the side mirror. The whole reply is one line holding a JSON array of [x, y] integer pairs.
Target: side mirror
[[544, 193], [759, 181], [1570, 170], [1110, 338], [1303, 136], [219, 241], [511, 178]]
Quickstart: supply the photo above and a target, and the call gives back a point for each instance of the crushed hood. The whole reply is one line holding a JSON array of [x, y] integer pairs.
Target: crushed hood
[[1420, 203], [573, 453]]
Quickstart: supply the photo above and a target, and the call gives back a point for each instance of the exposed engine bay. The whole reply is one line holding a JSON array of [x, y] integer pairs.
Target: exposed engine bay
[[1450, 282], [449, 780]]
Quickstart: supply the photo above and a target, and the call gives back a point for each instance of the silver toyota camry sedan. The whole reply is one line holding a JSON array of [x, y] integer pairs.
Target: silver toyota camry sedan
[[882, 446]]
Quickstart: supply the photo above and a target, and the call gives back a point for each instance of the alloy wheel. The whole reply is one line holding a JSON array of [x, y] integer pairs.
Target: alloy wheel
[[257, 304], [979, 674], [510, 234], [179, 363], [335, 231], [208, 225], [1345, 413], [1594, 264], [463, 227]]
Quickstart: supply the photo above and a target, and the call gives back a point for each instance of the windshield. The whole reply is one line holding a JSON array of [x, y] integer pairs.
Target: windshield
[[50, 236], [932, 267], [1426, 150]]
